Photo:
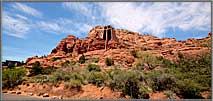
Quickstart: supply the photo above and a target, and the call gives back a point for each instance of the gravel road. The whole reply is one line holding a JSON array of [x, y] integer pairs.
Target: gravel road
[[14, 97]]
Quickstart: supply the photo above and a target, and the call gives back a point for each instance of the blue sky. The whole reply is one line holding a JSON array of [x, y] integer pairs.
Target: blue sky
[[35, 28]]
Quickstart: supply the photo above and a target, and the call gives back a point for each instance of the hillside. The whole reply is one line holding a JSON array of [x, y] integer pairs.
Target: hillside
[[127, 66]]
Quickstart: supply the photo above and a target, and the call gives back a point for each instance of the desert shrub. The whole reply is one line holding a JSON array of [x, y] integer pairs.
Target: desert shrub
[[73, 84], [139, 65], [72, 62], [12, 77], [160, 80], [143, 49], [134, 53], [40, 78], [48, 70], [68, 63], [93, 67], [131, 88], [170, 46], [117, 78], [128, 82], [190, 89], [36, 69], [192, 75], [82, 59], [180, 55], [70, 67], [65, 64], [144, 92], [169, 94], [151, 60], [57, 76], [159, 58], [109, 62], [95, 60], [205, 45], [73, 76], [132, 84], [65, 75], [96, 78], [55, 58], [196, 68], [166, 62]]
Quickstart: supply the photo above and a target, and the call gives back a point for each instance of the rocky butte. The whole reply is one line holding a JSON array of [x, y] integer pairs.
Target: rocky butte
[[108, 42]]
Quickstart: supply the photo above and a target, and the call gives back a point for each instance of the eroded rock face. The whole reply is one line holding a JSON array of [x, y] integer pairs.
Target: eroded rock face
[[66, 45], [31, 58], [76, 46], [122, 42]]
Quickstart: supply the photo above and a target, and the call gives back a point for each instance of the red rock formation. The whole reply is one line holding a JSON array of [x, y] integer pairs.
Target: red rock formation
[[122, 42]]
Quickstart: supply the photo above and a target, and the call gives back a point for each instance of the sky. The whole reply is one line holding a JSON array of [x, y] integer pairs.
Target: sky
[[35, 28]]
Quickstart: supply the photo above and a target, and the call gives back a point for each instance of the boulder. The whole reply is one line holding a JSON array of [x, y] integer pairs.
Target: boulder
[[45, 95]]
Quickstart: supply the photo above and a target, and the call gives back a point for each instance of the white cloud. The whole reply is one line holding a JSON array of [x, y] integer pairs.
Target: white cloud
[[64, 26], [15, 26], [21, 17], [80, 7], [158, 17], [27, 9], [49, 26]]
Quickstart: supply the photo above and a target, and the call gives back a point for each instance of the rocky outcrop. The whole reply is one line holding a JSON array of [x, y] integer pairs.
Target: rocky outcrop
[[118, 48]]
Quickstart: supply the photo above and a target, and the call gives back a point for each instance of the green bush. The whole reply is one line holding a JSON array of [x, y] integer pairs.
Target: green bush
[[65, 64], [48, 70], [191, 76], [93, 67], [73, 84], [12, 77], [151, 60], [55, 58], [190, 89], [128, 82], [205, 45], [159, 58], [40, 78], [144, 92], [166, 62], [74, 76], [169, 94], [109, 62], [82, 59], [36, 69], [132, 84], [197, 69], [139, 65], [68, 63], [96, 78], [180, 55], [116, 79], [134, 53], [95, 60], [57, 76], [72, 63], [63, 74], [131, 88], [160, 80]]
